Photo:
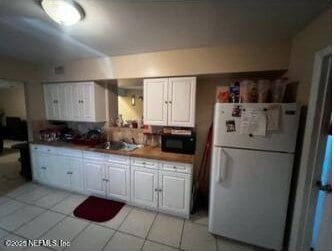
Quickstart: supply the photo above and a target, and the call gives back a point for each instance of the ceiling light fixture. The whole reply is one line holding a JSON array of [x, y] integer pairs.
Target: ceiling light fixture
[[64, 12]]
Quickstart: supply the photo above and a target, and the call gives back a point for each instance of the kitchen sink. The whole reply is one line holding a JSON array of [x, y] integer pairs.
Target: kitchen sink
[[118, 145]]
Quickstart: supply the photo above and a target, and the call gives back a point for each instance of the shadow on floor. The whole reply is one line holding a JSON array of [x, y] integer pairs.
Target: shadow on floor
[[10, 168]]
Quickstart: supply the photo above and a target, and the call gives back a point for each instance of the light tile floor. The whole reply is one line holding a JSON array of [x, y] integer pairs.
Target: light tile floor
[[9, 169], [33, 211]]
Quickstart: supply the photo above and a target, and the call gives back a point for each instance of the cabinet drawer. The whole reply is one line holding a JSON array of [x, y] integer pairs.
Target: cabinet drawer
[[45, 149], [117, 159], [148, 163], [70, 152], [176, 167], [93, 156]]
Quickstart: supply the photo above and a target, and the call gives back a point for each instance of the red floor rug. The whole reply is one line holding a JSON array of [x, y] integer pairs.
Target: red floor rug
[[97, 209]]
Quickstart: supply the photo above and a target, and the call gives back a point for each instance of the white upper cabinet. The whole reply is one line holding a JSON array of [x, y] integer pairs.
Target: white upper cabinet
[[155, 101], [52, 101], [170, 101], [181, 103], [82, 101]]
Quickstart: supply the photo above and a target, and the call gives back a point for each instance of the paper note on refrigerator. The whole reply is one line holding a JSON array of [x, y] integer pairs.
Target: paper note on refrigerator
[[273, 115], [253, 122]]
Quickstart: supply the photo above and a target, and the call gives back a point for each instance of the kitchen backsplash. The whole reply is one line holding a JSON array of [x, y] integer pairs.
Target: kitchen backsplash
[[124, 133]]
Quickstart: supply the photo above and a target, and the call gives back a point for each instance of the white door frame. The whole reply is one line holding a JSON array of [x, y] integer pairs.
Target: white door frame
[[304, 207]]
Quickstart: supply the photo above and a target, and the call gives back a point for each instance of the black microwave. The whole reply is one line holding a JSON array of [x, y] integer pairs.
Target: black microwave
[[178, 143]]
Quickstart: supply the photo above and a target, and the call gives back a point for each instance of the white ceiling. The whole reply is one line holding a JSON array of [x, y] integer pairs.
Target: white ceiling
[[118, 27]]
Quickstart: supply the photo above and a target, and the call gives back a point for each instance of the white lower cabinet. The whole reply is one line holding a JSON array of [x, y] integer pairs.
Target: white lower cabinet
[[75, 173], [158, 185], [174, 192], [107, 179], [118, 181], [95, 178], [166, 191], [46, 168], [51, 167], [144, 189]]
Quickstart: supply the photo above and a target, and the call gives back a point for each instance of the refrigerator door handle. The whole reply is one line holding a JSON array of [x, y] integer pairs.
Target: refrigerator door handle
[[221, 166]]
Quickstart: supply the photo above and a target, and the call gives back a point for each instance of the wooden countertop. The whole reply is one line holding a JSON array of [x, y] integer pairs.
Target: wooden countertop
[[143, 152]]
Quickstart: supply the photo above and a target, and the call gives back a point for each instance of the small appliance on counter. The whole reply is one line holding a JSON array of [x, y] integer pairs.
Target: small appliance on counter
[[178, 141]]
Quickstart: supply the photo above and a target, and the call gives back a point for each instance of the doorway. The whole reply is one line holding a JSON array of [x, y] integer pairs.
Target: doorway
[[307, 222], [322, 229], [13, 133]]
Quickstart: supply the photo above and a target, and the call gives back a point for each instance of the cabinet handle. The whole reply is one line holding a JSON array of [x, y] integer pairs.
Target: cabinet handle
[[174, 167], [43, 167], [160, 190], [170, 102], [166, 102], [156, 189], [69, 172], [144, 163]]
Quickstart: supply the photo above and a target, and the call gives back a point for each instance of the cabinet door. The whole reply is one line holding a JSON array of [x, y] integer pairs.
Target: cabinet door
[[119, 181], [87, 101], [46, 168], [174, 192], [94, 173], [181, 101], [77, 102], [35, 163], [67, 101], [55, 91], [59, 168], [155, 101], [53, 100], [144, 189], [76, 174]]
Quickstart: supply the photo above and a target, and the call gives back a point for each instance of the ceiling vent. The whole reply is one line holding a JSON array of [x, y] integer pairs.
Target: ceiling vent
[[59, 70]]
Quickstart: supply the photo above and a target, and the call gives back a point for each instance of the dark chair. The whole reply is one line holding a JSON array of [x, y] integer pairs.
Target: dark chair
[[15, 129]]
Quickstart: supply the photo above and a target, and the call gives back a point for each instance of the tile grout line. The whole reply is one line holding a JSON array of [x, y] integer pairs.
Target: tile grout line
[[116, 230], [25, 223], [77, 235], [109, 239], [180, 243], [149, 230]]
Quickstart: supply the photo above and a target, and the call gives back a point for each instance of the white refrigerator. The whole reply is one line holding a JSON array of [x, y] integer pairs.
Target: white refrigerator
[[251, 174]]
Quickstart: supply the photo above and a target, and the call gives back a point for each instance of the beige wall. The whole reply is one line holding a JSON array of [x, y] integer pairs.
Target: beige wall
[[30, 75], [316, 36], [128, 111], [12, 102], [243, 57]]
